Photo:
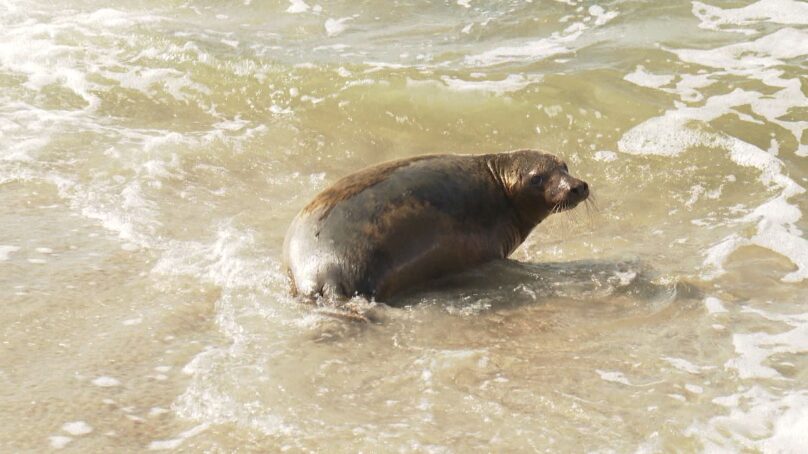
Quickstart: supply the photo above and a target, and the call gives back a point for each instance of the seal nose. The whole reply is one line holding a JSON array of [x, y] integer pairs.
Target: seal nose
[[581, 189]]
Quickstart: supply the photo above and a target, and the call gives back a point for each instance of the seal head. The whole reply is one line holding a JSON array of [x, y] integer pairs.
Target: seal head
[[537, 184]]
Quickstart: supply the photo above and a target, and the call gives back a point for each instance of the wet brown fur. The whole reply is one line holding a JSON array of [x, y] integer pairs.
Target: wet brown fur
[[444, 216], [349, 186]]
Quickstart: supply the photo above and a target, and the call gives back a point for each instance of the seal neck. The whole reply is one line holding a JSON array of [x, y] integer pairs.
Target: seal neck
[[499, 172], [501, 169]]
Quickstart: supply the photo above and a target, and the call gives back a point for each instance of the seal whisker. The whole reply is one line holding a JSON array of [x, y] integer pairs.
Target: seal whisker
[[593, 200], [574, 216], [569, 222], [563, 221], [587, 205]]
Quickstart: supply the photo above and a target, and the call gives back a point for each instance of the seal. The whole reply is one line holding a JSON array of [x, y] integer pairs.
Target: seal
[[395, 225]]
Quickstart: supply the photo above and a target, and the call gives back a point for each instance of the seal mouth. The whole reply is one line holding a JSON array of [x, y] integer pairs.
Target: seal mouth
[[576, 194], [571, 201], [564, 206]]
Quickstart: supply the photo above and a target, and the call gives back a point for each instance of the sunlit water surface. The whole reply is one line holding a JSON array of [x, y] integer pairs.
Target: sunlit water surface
[[152, 154]]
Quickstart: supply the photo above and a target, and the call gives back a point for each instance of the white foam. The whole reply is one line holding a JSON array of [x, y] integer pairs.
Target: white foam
[[688, 84], [684, 365], [749, 59], [717, 255], [162, 445], [464, 3], [105, 382], [668, 135], [624, 277], [236, 124], [557, 43], [601, 15], [776, 229], [643, 78], [151, 81], [776, 219], [157, 411], [31, 49], [112, 18], [714, 305], [790, 429], [334, 27], [297, 6], [36, 50], [684, 127], [6, 251], [695, 389], [764, 52], [173, 443], [511, 83], [756, 347], [77, 428], [532, 50], [221, 262], [132, 216], [757, 420], [777, 11], [59, 441], [613, 376], [121, 204], [696, 191]]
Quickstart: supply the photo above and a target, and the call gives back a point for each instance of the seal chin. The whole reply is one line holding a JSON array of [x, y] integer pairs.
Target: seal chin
[[566, 205], [572, 199]]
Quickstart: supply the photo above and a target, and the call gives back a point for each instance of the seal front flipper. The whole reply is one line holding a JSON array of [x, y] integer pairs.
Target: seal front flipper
[[335, 302], [349, 310], [333, 290]]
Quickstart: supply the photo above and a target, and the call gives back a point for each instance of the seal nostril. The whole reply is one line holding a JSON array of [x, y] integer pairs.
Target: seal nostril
[[580, 189]]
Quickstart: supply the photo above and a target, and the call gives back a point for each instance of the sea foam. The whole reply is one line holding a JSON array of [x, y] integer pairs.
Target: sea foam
[[557, 43], [6, 251], [777, 11], [684, 127]]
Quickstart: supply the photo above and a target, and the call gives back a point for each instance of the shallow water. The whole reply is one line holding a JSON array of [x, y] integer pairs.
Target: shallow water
[[153, 153]]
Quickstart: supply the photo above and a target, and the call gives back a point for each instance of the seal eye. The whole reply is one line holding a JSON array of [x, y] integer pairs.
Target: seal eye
[[535, 180]]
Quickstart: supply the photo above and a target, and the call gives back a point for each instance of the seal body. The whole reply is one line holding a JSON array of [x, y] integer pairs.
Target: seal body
[[398, 224]]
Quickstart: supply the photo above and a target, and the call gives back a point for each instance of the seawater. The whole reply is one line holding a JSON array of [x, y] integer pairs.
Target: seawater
[[152, 154]]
